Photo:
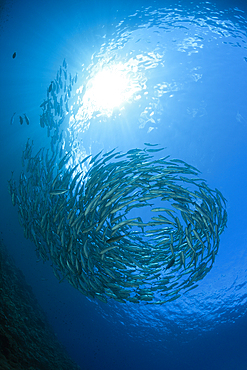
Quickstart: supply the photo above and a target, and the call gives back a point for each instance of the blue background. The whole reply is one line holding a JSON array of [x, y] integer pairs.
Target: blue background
[[202, 119]]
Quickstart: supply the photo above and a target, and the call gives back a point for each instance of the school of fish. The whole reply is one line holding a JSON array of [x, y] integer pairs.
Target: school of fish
[[129, 226]]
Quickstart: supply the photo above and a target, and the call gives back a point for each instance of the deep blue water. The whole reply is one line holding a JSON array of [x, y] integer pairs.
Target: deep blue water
[[188, 65]]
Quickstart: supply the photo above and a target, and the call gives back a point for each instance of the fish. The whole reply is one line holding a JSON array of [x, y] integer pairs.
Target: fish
[[65, 64], [116, 238], [50, 87], [160, 209], [14, 55], [154, 150], [45, 102], [21, 120], [85, 212], [58, 191], [26, 119], [170, 263], [12, 119], [108, 249]]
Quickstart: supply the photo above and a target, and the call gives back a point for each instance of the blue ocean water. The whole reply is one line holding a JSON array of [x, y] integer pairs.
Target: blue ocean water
[[186, 65]]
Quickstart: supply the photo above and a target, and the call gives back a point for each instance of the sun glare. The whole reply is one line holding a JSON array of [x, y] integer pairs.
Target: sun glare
[[108, 89]]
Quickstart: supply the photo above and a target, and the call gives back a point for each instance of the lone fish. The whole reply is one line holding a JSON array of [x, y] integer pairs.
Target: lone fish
[[12, 119]]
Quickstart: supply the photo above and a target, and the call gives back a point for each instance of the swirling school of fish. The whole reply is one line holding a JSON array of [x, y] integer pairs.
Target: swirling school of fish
[[126, 226]]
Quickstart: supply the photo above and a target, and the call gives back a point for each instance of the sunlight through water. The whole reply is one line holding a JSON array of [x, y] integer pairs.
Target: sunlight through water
[[108, 89], [158, 81]]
